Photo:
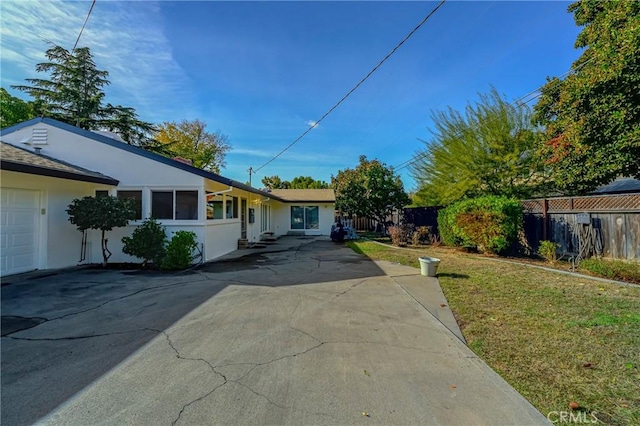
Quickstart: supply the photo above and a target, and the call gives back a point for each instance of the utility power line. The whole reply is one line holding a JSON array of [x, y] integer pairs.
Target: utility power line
[[522, 100], [83, 25], [336, 105]]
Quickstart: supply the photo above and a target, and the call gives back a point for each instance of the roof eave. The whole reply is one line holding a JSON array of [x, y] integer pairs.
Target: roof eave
[[44, 171]]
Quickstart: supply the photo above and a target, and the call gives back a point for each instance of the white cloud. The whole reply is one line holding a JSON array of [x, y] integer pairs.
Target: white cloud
[[126, 39], [311, 123]]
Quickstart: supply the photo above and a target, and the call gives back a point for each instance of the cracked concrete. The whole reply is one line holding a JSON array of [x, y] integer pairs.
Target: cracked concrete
[[313, 334]]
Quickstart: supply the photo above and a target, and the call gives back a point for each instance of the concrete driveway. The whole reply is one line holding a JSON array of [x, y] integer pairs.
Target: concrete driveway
[[304, 332]]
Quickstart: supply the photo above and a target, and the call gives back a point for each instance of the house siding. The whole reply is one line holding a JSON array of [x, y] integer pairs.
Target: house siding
[[59, 240]]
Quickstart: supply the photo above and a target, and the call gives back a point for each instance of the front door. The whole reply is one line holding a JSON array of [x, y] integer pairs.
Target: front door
[[243, 218]]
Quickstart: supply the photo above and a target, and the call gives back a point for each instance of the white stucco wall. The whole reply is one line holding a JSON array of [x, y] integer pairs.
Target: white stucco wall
[[129, 168], [281, 216], [59, 240], [221, 238]]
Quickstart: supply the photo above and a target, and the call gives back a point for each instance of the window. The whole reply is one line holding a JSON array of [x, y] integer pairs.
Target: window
[[136, 196], [305, 217], [229, 208], [311, 217], [215, 206], [179, 205], [186, 205], [101, 193], [265, 218], [297, 217], [162, 204], [235, 207]]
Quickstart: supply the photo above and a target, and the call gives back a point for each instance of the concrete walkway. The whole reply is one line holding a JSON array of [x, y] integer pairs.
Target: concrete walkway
[[303, 332]]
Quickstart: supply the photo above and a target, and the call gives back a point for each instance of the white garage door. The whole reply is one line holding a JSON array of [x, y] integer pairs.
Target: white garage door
[[19, 230]]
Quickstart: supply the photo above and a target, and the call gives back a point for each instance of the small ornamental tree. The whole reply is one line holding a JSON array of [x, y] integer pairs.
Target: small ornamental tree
[[103, 213]]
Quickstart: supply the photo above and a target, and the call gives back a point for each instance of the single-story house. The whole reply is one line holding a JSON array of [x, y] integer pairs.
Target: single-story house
[[46, 164]]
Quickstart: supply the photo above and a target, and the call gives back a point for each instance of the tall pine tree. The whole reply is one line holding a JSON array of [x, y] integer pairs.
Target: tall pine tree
[[74, 94]]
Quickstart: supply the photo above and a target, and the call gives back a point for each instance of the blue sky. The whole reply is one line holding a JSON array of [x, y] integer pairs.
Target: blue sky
[[263, 72]]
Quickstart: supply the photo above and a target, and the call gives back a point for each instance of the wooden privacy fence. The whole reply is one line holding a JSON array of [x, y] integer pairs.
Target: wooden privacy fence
[[607, 225]]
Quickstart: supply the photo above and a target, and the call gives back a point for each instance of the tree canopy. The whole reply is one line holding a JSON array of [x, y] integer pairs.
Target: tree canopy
[[299, 182], [190, 140], [591, 117], [14, 110], [74, 94], [370, 190], [487, 150]]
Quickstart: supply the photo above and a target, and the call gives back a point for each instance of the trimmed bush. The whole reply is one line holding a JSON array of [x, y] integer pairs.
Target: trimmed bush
[[147, 242], [179, 252], [490, 223], [446, 225]]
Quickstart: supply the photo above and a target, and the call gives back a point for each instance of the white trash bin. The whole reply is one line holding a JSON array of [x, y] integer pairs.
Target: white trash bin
[[429, 266]]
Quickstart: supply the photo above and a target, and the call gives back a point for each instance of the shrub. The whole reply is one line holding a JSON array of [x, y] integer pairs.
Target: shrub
[[179, 252], [422, 234], [483, 230], [490, 223], [547, 250], [613, 269], [446, 225], [415, 238], [398, 235], [147, 242]]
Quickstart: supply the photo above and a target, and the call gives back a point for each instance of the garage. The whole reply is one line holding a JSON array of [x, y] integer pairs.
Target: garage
[[20, 230]]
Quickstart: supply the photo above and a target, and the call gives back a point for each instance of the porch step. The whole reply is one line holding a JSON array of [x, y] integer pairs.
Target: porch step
[[268, 236]]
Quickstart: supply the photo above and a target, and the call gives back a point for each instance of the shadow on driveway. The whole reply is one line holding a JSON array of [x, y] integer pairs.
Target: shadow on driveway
[[63, 332]]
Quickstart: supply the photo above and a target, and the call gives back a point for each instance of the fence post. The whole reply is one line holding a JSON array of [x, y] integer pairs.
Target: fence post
[[545, 219]]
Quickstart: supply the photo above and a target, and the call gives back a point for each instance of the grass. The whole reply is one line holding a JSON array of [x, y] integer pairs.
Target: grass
[[555, 338]]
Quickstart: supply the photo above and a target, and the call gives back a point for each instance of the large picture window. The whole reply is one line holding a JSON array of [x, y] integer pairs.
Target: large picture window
[[178, 205], [311, 217], [136, 197], [305, 217]]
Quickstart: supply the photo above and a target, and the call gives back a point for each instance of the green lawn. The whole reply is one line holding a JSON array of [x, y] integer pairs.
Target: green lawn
[[555, 338]]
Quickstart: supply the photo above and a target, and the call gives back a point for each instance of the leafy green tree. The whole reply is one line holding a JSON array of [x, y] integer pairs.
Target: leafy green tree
[[274, 182], [370, 190], [591, 117], [74, 94], [103, 213], [487, 150], [13, 110], [190, 140], [307, 182]]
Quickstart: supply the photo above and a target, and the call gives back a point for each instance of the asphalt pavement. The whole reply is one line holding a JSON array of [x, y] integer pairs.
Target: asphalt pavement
[[303, 332]]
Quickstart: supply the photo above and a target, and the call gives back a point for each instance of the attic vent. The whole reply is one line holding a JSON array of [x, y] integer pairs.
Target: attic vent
[[39, 136]]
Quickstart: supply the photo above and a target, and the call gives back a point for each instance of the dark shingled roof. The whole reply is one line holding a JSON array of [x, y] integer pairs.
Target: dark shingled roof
[[619, 186], [13, 158]]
